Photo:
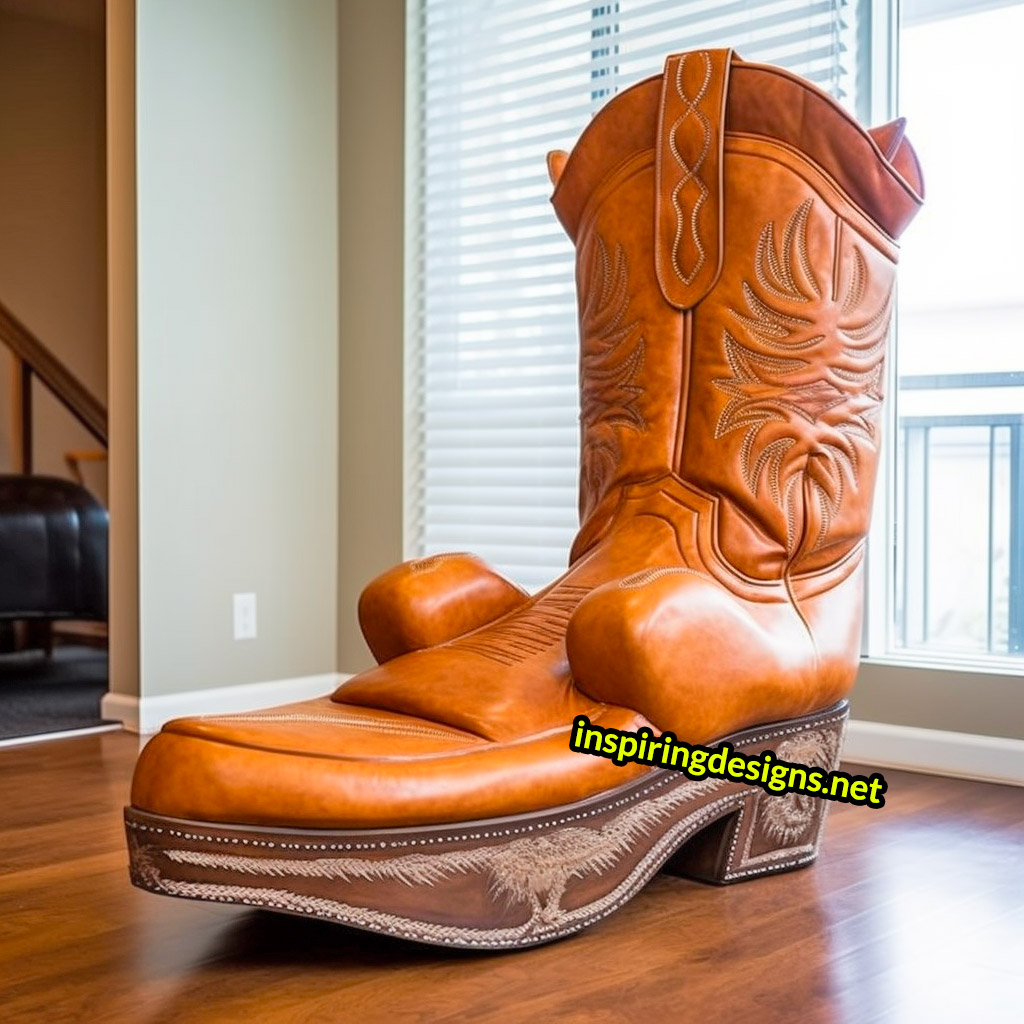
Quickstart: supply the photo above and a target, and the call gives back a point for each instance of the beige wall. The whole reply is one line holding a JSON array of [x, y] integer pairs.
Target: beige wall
[[371, 66], [237, 338], [955, 700], [52, 209]]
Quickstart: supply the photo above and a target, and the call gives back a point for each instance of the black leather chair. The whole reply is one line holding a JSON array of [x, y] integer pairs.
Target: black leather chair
[[53, 550]]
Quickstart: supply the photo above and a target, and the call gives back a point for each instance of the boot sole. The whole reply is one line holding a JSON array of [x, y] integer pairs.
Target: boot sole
[[505, 882]]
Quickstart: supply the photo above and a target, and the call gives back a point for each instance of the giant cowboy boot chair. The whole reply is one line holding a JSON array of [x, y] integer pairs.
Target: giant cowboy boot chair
[[735, 232]]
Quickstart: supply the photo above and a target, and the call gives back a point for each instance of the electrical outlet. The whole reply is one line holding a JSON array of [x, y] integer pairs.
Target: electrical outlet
[[245, 616]]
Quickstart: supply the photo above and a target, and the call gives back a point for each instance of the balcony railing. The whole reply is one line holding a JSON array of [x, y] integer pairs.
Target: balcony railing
[[960, 514]]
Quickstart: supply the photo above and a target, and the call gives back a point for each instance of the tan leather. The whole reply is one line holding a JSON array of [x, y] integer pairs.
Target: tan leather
[[771, 103], [556, 164], [263, 772], [735, 232], [689, 208], [430, 601]]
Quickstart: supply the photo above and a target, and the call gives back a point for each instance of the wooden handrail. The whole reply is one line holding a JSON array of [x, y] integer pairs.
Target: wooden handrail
[[35, 358]]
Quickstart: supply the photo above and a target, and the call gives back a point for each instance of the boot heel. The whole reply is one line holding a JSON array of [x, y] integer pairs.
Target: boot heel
[[766, 833]]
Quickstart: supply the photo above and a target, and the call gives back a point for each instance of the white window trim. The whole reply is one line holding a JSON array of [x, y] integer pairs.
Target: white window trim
[[880, 102], [881, 105], [914, 676]]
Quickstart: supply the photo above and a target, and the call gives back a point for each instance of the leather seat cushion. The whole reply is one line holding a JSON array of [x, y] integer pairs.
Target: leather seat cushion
[[321, 764]]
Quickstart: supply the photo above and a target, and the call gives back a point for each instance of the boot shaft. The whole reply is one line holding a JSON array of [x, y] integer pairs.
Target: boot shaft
[[735, 232]]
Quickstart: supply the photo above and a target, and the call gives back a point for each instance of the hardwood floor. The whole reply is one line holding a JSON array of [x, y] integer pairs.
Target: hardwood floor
[[913, 913]]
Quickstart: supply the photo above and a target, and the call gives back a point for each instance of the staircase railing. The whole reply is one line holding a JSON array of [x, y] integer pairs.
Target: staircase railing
[[33, 359]]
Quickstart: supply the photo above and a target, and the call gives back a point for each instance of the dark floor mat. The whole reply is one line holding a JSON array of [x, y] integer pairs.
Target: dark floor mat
[[40, 694]]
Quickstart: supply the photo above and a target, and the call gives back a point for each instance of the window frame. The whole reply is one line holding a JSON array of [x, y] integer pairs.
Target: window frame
[[881, 50], [894, 686]]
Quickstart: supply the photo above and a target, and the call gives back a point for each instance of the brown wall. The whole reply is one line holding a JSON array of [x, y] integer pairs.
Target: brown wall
[[371, 158], [53, 209], [122, 386]]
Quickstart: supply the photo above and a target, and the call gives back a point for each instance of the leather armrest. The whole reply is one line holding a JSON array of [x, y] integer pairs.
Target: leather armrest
[[677, 646], [429, 601]]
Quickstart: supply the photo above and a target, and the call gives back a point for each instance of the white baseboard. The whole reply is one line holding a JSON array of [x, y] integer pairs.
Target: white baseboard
[[935, 752], [148, 714]]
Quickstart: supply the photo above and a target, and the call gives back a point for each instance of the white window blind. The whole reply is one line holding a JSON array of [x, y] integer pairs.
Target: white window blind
[[491, 401]]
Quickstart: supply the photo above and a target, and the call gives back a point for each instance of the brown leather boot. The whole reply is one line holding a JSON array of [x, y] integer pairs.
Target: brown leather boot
[[735, 231]]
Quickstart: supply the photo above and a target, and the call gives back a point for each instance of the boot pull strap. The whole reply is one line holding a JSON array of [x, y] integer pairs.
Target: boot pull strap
[[688, 206]]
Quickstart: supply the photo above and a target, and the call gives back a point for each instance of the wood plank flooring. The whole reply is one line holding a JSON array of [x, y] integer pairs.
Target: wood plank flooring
[[914, 913]]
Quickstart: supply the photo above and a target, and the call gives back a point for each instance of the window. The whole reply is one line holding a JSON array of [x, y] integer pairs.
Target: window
[[492, 382], [958, 512]]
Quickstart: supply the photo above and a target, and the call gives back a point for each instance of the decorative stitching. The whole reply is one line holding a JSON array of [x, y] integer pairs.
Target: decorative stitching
[[432, 561], [645, 576], [396, 728], [817, 403], [530, 932], [611, 364], [533, 870], [858, 281], [528, 632], [774, 269], [796, 236], [771, 458], [786, 818], [823, 751], [690, 173]]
